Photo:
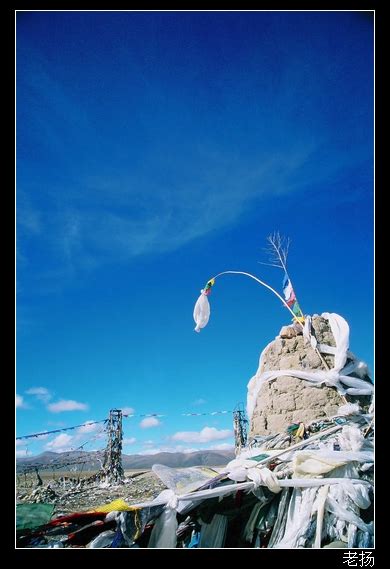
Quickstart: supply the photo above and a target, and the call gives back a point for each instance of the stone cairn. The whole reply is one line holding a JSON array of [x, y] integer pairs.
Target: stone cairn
[[286, 400]]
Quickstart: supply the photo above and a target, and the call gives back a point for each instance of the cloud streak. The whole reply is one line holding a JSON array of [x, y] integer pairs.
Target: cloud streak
[[233, 147], [21, 453], [149, 422], [127, 410], [41, 393], [61, 443], [153, 219], [80, 237], [172, 449], [122, 216], [199, 401], [129, 441], [67, 405], [222, 446], [88, 427], [127, 217], [19, 402], [206, 435]]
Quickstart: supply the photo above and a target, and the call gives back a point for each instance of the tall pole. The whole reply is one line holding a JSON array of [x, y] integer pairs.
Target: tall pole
[[240, 423], [112, 466]]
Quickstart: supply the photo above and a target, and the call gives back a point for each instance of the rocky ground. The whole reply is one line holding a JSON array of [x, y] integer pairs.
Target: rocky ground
[[69, 497]]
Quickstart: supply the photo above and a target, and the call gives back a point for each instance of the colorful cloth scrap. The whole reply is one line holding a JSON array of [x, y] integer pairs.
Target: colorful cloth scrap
[[30, 516], [207, 288], [290, 298], [118, 505]]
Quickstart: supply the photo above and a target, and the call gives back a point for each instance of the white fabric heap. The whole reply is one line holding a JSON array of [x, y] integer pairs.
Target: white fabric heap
[[298, 518], [349, 409], [242, 469], [307, 335], [319, 505], [351, 438], [337, 507], [254, 385], [340, 331], [343, 499], [315, 463], [264, 477]]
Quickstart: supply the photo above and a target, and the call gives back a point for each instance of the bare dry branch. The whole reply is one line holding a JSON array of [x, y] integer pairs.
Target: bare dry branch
[[270, 264], [278, 247]]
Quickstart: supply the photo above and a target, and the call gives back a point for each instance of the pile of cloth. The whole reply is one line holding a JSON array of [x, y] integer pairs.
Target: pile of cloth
[[317, 492]]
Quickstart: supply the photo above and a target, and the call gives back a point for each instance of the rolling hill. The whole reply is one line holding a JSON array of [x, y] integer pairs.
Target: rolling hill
[[89, 460]]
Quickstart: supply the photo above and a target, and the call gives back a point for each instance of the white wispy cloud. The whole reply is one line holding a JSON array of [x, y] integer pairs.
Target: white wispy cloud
[[28, 218], [207, 434], [199, 401], [19, 402], [166, 220], [127, 410], [67, 405], [165, 448], [149, 422], [101, 435], [150, 451], [222, 446], [97, 215], [156, 450], [88, 427], [129, 441], [41, 393], [20, 453], [186, 450], [85, 237], [41, 437], [61, 443]]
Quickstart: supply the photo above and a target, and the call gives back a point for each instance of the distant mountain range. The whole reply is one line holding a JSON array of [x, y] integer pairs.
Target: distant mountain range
[[88, 460]]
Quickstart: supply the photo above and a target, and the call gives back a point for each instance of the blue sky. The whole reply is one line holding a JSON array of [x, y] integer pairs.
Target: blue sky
[[154, 150]]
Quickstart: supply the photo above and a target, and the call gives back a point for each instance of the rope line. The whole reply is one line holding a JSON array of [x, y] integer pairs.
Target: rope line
[[127, 415]]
